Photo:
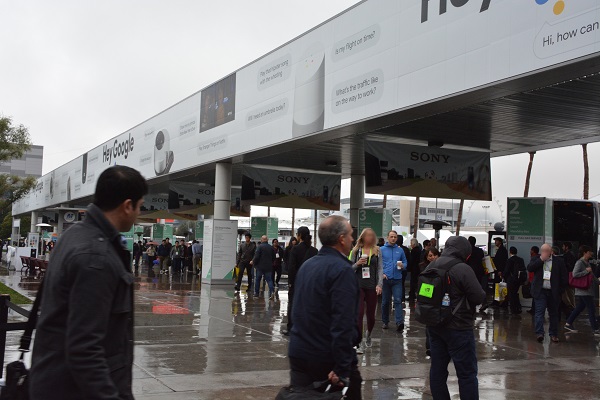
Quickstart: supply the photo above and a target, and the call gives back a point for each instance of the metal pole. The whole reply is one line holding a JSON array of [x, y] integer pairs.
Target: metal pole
[[4, 298], [293, 223], [315, 236]]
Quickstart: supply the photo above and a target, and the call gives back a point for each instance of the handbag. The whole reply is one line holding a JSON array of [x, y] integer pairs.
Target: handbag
[[582, 282], [17, 374], [312, 392]]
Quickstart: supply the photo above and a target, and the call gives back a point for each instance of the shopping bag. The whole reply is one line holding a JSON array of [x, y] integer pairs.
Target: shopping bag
[[236, 272], [488, 265], [501, 292]]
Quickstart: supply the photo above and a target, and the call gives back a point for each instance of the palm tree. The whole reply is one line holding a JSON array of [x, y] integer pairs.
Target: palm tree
[[416, 218], [586, 173], [460, 213], [528, 178]]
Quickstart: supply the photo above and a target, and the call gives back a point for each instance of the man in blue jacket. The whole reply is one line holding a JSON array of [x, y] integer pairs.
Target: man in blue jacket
[[325, 313], [394, 266]]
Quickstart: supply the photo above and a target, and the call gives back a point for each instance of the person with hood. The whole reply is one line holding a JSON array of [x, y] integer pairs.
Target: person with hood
[[455, 341], [394, 267]]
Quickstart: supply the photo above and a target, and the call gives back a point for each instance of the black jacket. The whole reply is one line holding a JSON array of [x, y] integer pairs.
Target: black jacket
[[83, 345], [570, 260], [559, 278], [245, 253], [476, 261], [415, 260], [500, 258], [325, 312], [514, 266], [300, 253], [264, 257], [464, 283]]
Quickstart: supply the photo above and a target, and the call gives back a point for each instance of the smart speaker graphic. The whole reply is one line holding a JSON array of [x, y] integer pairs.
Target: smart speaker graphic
[[309, 97], [163, 156]]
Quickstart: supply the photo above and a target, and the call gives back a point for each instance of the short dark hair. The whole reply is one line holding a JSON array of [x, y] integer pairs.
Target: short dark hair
[[472, 240], [513, 250], [568, 245], [331, 229], [118, 184], [274, 240], [248, 234], [584, 249], [426, 242], [535, 249]]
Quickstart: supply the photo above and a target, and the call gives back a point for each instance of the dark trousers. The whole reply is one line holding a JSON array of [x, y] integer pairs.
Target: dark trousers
[[584, 302], [276, 275], [176, 267], [414, 283], [368, 303], [458, 346], [290, 307], [513, 297], [304, 373], [546, 301], [248, 268]]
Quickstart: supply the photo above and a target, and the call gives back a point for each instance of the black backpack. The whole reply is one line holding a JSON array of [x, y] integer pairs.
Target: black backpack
[[433, 307]]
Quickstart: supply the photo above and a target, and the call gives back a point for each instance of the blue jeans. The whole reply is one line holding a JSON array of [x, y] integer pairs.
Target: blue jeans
[[268, 278], [543, 302], [392, 287], [458, 346], [584, 302]]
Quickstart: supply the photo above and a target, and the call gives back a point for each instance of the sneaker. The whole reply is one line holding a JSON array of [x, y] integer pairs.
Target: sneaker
[[368, 341], [597, 332], [540, 338], [359, 349], [569, 327], [399, 327], [385, 326]]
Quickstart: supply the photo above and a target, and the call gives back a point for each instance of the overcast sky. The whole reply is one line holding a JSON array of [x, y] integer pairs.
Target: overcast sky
[[78, 73]]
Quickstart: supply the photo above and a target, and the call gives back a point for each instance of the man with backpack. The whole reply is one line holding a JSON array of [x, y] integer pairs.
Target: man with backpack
[[448, 294], [514, 274]]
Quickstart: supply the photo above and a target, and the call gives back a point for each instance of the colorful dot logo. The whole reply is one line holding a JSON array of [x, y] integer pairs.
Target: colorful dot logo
[[558, 8]]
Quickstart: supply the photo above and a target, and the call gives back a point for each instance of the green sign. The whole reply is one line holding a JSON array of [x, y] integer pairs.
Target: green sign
[[199, 232], [168, 233], [158, 232], [265, 226], [129, 236], [526, 218], [378, 219]]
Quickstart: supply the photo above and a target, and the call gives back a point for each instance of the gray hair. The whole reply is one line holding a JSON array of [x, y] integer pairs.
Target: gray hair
[[331, 229], [414, 241]]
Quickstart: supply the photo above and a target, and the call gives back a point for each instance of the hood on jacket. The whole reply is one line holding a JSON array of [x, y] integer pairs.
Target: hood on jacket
[[390, 245], [457, 247]]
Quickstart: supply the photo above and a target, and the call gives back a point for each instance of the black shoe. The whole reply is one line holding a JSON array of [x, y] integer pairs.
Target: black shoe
[[540, 338], [285, 332], [385, 326], [530, 311], [399, 327], [428, 353]]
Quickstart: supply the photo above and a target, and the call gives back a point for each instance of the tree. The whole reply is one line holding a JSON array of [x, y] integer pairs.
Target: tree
[[528, 177], [586, 173], [14, 142]]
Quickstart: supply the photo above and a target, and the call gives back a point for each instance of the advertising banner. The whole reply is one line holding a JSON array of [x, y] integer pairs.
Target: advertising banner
[[198, 199], [273, 188], [397, 169], [199, 231], [376, 58], [264, 226], [219, 251]]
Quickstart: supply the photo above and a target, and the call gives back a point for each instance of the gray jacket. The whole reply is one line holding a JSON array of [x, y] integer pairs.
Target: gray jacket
[[375, 269], [579, 271], [83, 345]]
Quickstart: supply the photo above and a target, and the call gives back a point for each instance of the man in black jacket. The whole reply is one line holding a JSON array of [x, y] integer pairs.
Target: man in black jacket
[[263, 264], [301, 252], [325, 329], [549, 282], [84, 341], [455, 341], [245, 255], [476, 259], [514, 274]]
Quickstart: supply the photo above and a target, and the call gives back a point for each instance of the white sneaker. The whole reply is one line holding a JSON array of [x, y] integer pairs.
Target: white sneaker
[[359, 349]]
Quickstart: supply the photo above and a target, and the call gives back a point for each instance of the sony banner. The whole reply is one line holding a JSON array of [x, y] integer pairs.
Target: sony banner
[[273, 188], [398, 169], [195, 198]]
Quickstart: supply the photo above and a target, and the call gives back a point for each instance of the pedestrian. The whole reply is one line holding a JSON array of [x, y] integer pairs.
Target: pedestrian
[[476, 261], [151, 256], [381, 242], [534, 255], [245, 255], [196, 256], [84, 340], [433, 242], [288, 252], [455, 341], [321, 343], [431, 255], [168, 261], [277, 262], [368, 266], [514, 275], [568, 299], [187, 261], [162, 255], [414, 261], [394, 266], [263, 265], [426, 246], [138, 248], [549, 282], [405, 272], [585, 297], [177, 254], [301, 252]]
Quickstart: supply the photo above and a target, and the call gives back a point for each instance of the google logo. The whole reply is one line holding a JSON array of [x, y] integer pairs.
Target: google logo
[[558, 8]]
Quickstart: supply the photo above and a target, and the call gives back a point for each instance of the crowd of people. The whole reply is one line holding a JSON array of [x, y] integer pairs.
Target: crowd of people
[[168, 258]]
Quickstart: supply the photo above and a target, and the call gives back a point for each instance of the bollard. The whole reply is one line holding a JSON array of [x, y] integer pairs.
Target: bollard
[[4, 298]]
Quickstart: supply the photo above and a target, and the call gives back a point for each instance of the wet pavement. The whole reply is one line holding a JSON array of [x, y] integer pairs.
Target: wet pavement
[[196, 342]]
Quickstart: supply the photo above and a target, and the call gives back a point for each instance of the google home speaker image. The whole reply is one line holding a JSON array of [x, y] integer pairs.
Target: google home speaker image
[[163, 156], [309, 96]]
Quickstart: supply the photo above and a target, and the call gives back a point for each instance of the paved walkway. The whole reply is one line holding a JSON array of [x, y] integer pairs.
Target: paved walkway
[[197, 342]]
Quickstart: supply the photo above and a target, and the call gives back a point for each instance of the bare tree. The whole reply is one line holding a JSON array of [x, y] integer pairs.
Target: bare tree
[[528, 178], [586, 173], [460, 213]]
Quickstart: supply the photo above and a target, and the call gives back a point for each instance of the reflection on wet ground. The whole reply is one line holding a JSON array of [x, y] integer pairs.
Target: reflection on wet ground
[[196, 342]]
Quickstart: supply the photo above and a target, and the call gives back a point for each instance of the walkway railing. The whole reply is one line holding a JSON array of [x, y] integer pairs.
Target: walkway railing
[[5, 326]]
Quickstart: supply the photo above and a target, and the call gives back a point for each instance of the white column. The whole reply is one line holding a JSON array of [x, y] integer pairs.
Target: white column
[[223, 191], [34, 221], [357, 197]]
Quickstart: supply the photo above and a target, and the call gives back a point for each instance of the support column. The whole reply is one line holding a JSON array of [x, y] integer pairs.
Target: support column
[[34, 221], [223, 191], [60, 222], [357, 197]]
